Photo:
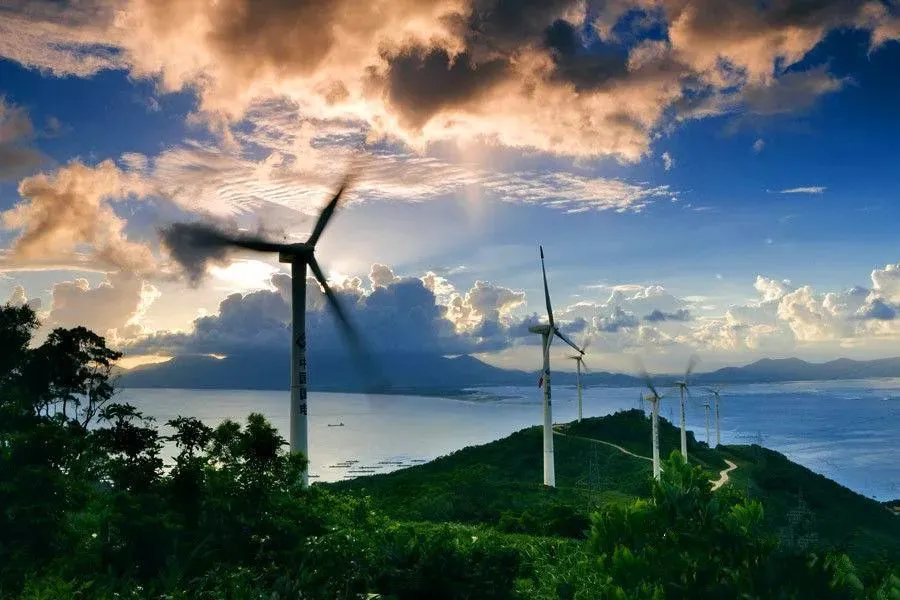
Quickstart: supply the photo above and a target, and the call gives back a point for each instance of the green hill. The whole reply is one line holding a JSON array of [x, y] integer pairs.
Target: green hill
[[500, 484]]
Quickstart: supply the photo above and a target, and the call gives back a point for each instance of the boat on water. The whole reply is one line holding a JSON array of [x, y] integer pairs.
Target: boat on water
[[341, 424]]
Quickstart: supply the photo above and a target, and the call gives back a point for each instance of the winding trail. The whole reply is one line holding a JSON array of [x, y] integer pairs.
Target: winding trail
[[723, 474]]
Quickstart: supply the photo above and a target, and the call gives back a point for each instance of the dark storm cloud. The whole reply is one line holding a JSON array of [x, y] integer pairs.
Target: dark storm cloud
[[878, 310], [421, 82], [401, 317], [656, 316]]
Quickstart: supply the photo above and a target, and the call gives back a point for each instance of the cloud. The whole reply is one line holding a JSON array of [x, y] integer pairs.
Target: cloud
[[396, 315], [61, 214], [682, 314], [559, 76], [758, 145], [804, 190], [668, 161], [16, 132], [113, 308], [18, 298]]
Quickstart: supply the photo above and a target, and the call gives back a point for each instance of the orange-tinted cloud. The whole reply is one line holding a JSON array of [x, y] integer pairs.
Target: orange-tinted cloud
[[553, 74]]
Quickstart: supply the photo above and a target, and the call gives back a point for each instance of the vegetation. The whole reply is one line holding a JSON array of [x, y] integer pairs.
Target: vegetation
[[89, 510]]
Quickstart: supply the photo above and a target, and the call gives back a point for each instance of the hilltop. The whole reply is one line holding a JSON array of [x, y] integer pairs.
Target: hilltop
[[499, 484]]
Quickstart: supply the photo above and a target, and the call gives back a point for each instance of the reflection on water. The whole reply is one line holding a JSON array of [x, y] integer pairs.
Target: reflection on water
[[844, 430]]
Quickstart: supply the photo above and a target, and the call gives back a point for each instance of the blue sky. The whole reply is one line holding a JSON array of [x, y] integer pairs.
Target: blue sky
[[653, 163]]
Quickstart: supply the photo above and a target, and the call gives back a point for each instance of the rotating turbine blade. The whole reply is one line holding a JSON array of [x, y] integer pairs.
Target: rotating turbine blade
[[587, 342], [643, 372], [584, 367], [690, 367], [547, 296], [566, 339], [326, 213], [351, 335]]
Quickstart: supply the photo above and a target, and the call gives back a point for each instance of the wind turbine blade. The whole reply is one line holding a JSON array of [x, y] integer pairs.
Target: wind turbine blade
[[326, 214], [690, 367], [587, 342], [584, 367], [566, 339], [351, 335], [643, 372], [547, 293]]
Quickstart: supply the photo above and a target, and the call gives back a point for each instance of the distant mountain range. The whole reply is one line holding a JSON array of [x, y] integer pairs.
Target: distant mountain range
[[435, 374]]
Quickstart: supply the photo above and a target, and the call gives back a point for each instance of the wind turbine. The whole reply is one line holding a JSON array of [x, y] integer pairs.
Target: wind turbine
[[547, 333], [653, 398], [682, 386], [579, 363], [715, 394], [706, 410], [194, 244]]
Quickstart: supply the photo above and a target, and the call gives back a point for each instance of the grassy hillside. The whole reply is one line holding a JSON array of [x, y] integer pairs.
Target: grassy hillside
[[500, 484]]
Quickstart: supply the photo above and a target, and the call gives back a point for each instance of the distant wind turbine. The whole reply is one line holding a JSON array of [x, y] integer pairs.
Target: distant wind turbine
[[194, 244], [547, 333], [653, 398], [715, 393], [579, 363], [706, 410], [683, 388]]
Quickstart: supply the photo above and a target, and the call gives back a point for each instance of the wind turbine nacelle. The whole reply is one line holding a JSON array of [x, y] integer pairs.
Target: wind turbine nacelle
[[542, 329], [295, 252]]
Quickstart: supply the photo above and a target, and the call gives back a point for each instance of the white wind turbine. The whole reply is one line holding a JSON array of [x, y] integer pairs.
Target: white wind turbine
[[715, 393], [682, 386], [653, 398], [706, 410], [579, 363], [547, 333], [193, 244]]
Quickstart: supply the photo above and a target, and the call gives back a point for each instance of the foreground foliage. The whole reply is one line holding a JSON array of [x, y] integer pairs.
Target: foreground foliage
[[89, 510]]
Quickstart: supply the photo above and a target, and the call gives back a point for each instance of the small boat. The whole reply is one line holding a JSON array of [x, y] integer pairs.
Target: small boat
[[336, 424]]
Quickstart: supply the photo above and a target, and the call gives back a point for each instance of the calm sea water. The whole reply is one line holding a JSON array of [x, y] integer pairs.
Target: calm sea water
[[845, 430]]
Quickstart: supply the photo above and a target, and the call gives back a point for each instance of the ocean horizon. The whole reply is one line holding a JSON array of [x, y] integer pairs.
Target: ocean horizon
[[840, 429]]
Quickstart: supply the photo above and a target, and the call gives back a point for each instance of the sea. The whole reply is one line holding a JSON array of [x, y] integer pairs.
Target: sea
[[845, 430]]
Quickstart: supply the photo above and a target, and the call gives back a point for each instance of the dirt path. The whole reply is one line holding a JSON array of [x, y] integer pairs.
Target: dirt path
[[617, 447], [723, 475]]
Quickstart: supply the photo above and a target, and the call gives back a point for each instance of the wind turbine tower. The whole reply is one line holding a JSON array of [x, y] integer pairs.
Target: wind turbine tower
[[192, 243], [683, 388], [579, 363], [653, 398], [547, 333], [715, 394], [706, 410]]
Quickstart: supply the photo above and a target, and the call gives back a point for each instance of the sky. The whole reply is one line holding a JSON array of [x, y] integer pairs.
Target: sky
[[705, 177]]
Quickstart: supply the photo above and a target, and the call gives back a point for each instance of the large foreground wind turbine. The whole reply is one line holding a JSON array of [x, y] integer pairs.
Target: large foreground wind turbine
[[194, 244], [653, 398], [715, 394], [547, 333], [683, 388], [579, 363]]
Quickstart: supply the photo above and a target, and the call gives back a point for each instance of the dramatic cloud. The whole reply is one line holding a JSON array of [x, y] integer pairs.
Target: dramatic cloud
[[16, 132], [562, 76], [303, 164], [804, 190], [18, 298], [114, 308], [70, 210]]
